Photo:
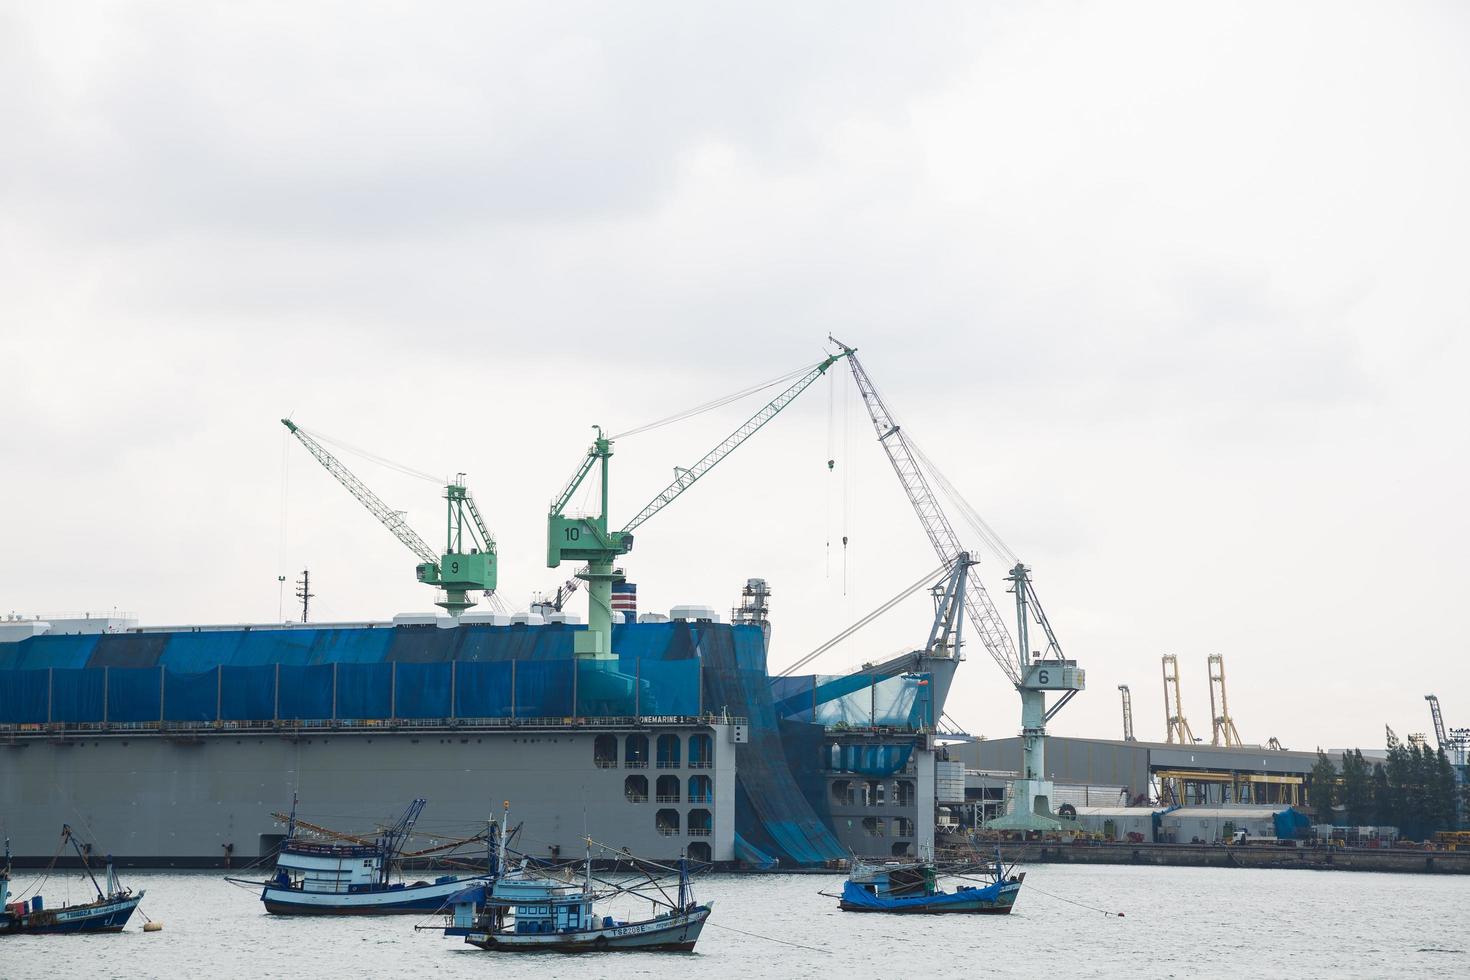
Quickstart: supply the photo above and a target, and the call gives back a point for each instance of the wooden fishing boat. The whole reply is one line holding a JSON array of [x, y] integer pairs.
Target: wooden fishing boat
[[339, 874], [536, 909], [109, 912], [914, 887]]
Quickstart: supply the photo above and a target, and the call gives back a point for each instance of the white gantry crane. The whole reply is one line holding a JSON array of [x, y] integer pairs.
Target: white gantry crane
[[1032, 673]]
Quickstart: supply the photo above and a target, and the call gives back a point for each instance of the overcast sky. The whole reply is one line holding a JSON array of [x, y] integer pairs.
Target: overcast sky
[[1175, 297]]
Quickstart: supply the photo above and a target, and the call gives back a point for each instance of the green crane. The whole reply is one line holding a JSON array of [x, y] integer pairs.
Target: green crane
[[587, 538], [468, 560]]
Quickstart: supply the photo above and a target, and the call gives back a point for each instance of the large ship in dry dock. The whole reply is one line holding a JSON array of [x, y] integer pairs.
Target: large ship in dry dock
[[178, 743]]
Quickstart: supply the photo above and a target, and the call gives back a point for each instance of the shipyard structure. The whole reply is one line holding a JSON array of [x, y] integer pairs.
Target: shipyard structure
[[177, 746]]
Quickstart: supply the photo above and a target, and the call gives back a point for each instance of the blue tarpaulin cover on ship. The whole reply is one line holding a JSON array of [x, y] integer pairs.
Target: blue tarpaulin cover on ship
[[318, 673]]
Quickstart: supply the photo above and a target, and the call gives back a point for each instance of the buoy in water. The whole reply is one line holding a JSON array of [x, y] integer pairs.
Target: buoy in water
[[153, 927]]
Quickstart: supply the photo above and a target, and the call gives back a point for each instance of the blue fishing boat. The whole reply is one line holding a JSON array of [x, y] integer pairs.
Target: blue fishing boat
[[534, 908], [914, 887], [110, 911], [339, 874]]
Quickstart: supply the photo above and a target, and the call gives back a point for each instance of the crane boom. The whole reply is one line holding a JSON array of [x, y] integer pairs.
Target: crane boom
[[686, 478], [485, 537], [387, 516], [982, 612], [1439, 732]]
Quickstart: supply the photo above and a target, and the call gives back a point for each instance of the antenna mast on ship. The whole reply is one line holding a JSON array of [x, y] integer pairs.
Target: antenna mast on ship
[[304, 593]]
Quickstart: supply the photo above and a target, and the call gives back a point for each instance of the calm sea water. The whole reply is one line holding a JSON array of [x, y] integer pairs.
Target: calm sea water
[[1179, 922]]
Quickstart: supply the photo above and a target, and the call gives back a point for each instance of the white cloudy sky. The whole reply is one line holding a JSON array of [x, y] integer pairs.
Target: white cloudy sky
[[1176, 296]]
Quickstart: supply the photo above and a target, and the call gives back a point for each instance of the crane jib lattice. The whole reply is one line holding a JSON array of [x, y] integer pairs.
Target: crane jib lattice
[[981, 610], [387, 516]]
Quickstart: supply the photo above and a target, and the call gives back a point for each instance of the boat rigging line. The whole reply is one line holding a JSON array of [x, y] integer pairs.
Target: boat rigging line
[[925, 580]]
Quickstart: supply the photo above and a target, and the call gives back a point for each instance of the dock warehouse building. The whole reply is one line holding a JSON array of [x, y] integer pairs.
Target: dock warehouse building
[[1185, 775]]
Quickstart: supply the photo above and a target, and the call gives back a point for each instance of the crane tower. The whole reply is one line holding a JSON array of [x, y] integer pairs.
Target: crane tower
[[1127, 713], [468, 560], [1175, 724], [1033, 673], [1222, 726], [586, 538]]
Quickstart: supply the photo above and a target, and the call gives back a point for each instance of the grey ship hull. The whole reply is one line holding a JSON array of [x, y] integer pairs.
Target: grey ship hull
[[205, 800]]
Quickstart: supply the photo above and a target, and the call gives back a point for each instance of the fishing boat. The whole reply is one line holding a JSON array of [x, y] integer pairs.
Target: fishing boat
[[533, 908], [913, 887], [110, 911], [339, 874]]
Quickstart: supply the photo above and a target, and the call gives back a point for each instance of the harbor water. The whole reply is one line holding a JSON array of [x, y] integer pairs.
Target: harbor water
[[1177, 922]]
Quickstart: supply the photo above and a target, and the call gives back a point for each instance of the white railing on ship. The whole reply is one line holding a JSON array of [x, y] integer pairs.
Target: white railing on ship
[[58, 728]]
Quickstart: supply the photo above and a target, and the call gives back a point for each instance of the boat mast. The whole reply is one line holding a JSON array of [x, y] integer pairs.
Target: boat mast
[[587, 881], [504, 818], [66, 835]]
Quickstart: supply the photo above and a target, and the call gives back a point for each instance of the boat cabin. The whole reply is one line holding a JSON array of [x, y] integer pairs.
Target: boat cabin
[[894, 879], [332, 869], [546, 905]]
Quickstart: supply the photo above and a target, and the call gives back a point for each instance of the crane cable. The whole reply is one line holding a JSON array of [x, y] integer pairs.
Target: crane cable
[[923, 581], [831, 466], [403, 468], [987, 534], [711, 405]]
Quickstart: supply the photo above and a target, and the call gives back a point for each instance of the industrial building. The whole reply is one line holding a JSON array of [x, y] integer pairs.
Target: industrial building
[[1186, 775]]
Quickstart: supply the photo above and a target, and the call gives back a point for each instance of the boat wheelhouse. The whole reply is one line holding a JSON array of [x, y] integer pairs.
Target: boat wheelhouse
[[353, 876]]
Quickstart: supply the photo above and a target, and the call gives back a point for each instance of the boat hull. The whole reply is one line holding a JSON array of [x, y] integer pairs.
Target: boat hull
[[996, 899], [410, 900], [111, 915], [673, 933]]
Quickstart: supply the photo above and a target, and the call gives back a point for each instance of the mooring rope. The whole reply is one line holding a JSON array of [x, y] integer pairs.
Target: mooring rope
[[1080, 905], [769, 939]]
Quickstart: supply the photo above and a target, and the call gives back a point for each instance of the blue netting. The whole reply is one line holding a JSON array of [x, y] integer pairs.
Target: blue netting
[[306, 692], [604, 691], [771, 812], [364, 691], [352, 646], [874, 760], [543, 689], [423, 690], [482, 690], [126, 649], [203, 650], [36, 652], [190, 696], [290, 646], [521, 643], [133, 694], [666, 750], [423, 644], [23, 697], [793, 697], [668, 687], [248, 693], [77, 695], [867, 700]]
